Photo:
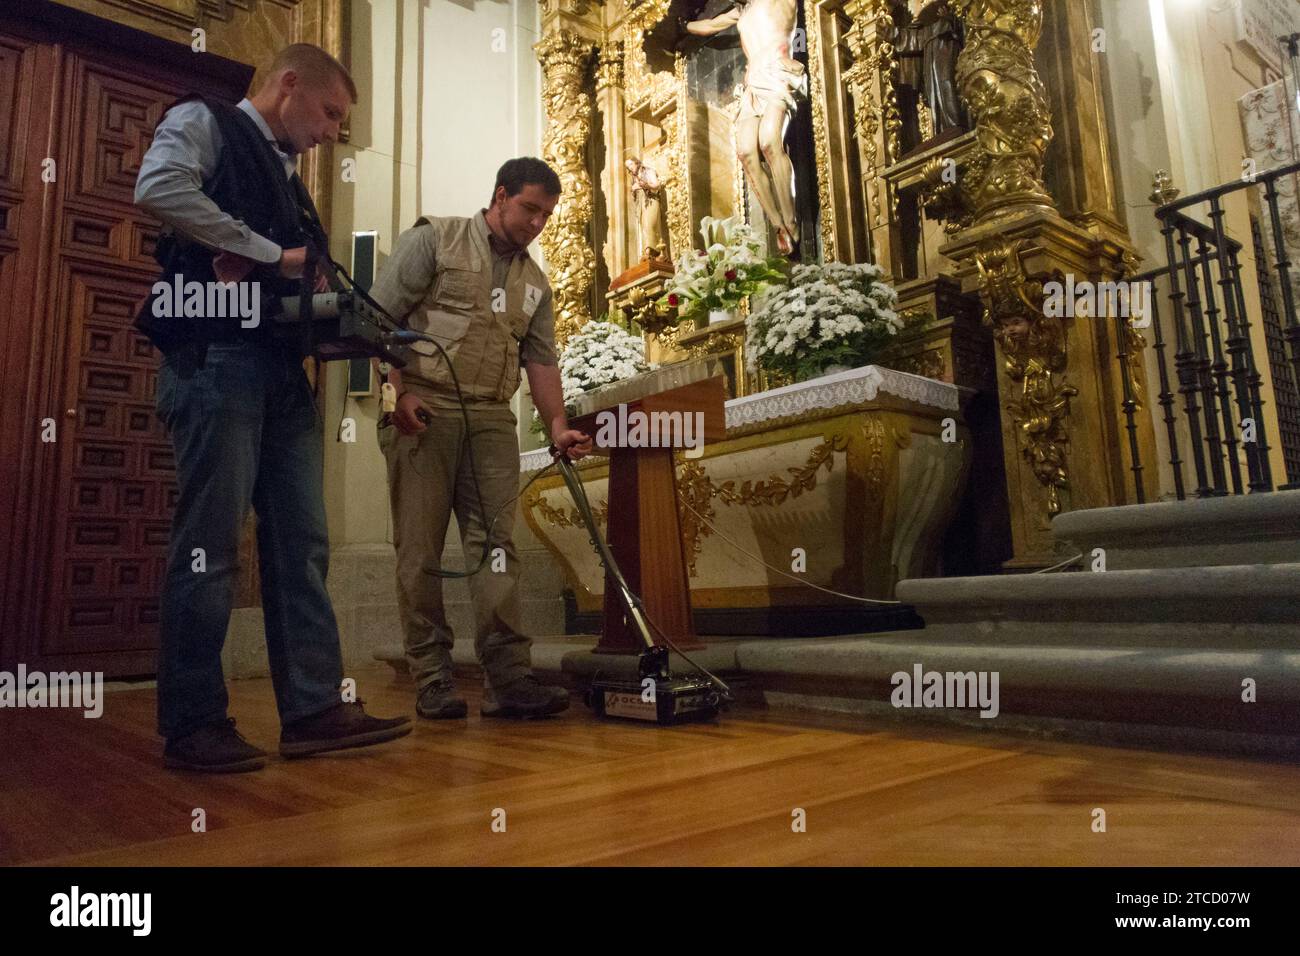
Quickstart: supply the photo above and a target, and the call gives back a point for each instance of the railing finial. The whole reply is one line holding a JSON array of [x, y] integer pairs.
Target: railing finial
[[1163, 191]]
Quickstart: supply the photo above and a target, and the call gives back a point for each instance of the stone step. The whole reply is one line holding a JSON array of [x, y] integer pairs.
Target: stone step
[[1232, 606], [1189, 696], [1121, 690], [1204, 532]]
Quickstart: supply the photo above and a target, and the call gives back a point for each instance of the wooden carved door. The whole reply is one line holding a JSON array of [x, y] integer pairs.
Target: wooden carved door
[[92, 486], [114, 480]]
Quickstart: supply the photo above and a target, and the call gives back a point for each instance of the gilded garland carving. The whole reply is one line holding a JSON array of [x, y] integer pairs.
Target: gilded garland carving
[[873, 430], [775, 490], [716, 343], [667, 338], [696, 489], [695, 493], [560, 519], [565, 58], [1007, 101], [887, 67], [1034, 348], [676, 183], [917, 315], [925, 121], [868, 120]]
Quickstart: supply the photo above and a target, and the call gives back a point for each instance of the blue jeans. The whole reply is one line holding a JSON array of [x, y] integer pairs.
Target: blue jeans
[[245, 430]]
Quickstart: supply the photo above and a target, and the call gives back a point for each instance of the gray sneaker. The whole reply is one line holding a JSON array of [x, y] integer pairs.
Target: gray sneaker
[[440, 701], [524, 697]]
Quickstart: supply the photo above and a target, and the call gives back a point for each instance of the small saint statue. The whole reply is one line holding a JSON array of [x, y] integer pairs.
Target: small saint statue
[[774, 84], [927, 54], [646, 190]]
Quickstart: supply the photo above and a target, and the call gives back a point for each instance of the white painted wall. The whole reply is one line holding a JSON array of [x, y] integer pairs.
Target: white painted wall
[[1176, 71], [439, 111]]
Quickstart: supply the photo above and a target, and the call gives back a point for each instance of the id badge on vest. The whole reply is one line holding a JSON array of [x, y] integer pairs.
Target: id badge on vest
[[532, 299]]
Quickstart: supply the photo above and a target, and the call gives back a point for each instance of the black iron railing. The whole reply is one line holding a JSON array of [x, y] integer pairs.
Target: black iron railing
[[1286, 394], [1215, 372]]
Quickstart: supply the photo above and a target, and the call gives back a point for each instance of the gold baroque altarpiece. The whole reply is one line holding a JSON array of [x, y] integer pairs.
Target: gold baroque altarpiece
[[988, 234]]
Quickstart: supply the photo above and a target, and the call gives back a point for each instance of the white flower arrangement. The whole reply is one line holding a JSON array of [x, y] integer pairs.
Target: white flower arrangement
[[730, 267], [601, 353], [832, 314]]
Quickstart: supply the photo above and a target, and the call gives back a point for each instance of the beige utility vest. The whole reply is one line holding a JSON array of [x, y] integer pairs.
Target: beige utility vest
[[458, 311]]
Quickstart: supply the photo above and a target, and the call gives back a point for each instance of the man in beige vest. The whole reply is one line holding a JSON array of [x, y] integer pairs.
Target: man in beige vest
[[470, 283]]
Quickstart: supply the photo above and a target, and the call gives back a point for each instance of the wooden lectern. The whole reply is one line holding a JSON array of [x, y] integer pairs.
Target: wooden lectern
[[645, 530]]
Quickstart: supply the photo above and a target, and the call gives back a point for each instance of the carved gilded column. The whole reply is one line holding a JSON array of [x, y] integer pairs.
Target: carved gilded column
[[565, 58], [821, 134], [1061, 428], [1000, 83], [841, 185], [876, 118], [611, 103], [677, 188]]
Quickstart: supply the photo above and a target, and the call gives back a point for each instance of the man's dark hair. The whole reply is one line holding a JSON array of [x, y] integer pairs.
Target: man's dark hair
[[515, 174]]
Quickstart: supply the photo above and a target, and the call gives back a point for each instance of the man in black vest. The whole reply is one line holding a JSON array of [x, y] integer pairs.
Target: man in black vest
[[239, 231]]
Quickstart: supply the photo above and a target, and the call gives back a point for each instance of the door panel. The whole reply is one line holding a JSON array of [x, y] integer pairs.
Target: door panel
[[26, 84], [85, 518]]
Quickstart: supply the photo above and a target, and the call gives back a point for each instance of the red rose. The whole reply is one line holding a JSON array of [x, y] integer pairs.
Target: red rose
[[731, 274], [673, 300]]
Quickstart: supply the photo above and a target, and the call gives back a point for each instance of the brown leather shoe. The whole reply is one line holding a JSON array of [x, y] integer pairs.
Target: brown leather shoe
[[214, 748], [340, 727]]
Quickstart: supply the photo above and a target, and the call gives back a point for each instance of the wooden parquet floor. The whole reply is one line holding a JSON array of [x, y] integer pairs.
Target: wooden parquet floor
[[579, 791]]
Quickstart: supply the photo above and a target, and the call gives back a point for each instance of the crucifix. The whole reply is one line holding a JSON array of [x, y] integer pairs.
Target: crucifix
[[774, 84]]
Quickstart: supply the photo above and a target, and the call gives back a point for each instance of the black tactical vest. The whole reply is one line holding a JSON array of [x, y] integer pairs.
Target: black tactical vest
[[249, 183]]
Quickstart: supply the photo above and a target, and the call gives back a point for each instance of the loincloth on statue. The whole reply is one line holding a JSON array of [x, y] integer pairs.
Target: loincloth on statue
[[769, 82]]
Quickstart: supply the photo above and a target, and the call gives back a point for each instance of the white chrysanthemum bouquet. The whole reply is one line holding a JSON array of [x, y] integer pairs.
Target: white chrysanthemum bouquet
[[601, 353], [832, 314], [730, 267]]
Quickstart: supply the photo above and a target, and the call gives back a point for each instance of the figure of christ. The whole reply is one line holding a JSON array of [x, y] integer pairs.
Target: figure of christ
[[773, 83], [645, 191]]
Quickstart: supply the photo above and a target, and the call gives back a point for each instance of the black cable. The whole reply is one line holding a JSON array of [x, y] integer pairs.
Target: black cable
[[585, 504], [439, 571], [320, 253], [584, 509]]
